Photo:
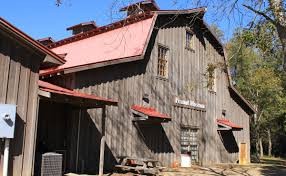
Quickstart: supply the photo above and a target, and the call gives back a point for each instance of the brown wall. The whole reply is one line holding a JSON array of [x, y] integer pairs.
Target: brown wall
[[19, 67], [128, 83]]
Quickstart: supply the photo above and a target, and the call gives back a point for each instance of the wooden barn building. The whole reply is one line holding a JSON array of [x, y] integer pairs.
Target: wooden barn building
[[168, 94], [168, 71], [21, 59]]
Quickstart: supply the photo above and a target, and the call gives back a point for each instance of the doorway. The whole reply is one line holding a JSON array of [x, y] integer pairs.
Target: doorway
[[189, 146], [55, 121]]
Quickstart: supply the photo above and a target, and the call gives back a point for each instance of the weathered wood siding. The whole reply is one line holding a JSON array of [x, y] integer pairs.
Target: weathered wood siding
[[19, 67], [128, 83]]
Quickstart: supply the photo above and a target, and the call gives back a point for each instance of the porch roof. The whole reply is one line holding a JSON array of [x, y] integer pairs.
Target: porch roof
[[63, 94], [150, 112], [228, 125]]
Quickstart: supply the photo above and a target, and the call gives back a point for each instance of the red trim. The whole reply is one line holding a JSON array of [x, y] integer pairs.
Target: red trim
[[45, 86], [33, 42], [228, 123], [149, 111]]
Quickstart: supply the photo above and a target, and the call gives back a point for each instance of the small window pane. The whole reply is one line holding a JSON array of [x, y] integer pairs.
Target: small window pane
[[162, 61]]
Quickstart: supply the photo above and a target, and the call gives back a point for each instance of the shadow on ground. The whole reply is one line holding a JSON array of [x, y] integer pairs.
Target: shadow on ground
[[268, 167]]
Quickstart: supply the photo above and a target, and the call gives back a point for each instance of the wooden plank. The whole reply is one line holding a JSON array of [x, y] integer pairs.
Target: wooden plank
[[4, 68], [31, 125], [4, 72], [12, 98]]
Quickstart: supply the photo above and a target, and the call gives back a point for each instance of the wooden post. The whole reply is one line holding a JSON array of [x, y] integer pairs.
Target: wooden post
[[102, 141], [78, 139], [6, 157]]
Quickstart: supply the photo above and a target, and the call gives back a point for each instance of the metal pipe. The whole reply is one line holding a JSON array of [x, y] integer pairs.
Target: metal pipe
[[6, 157], [78, 139]]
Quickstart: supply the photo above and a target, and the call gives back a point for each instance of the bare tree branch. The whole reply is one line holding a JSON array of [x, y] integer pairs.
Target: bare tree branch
[[260, 13]]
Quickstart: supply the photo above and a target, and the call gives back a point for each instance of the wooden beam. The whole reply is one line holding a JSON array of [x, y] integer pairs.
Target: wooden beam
[[102, 142], [102, 64], [44, 94]]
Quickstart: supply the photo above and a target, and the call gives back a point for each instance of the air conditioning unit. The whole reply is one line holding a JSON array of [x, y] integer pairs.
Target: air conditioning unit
[[52, 164]]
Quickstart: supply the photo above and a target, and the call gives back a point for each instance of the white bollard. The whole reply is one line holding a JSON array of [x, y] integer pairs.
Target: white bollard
[[6, 157]]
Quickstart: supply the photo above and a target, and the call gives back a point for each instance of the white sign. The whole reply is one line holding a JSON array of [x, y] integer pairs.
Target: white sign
[[190, 103]]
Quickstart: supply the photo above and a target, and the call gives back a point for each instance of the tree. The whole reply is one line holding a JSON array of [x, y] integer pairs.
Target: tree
[[255, 62], [217, 31], [273, 11]]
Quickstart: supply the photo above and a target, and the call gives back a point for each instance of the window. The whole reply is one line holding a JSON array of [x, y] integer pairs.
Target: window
[[189, 40], [212, 81], [162, 61], [189, 143]]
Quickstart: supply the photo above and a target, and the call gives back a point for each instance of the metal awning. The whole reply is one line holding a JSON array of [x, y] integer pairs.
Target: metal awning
[[225, 124], [142, 113], [63, 95]]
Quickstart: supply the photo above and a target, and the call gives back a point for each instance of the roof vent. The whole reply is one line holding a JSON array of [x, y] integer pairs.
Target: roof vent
[[46, 41], [82, 27], [140, 7]]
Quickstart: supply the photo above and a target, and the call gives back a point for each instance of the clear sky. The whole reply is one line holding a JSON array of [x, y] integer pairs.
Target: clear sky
[[42, 18]]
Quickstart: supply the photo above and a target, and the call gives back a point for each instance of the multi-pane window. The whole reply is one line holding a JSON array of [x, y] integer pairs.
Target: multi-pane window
[[163, 61], [189, 40], [189, 143]]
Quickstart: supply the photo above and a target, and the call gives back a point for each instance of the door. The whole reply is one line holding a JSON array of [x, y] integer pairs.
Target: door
[[189, 146], [242, 153]]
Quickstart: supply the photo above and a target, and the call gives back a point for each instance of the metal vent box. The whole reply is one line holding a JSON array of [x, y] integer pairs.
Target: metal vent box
[[51, 164], [7, 120]]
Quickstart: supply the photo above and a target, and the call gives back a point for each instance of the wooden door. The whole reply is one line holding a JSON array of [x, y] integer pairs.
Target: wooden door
[[242, 153]]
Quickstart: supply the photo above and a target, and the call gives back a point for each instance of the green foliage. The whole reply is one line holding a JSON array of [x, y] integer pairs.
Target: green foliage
[[256, 62]]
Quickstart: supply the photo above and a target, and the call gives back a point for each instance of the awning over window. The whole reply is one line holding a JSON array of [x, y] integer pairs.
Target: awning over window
[[64, 95], [225, 124], [148, 113]]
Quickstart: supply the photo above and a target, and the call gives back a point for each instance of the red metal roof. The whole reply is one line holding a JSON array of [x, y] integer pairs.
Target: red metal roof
[[45, 86], [123, 42], [29, 40], [228, 123], [149, 111]]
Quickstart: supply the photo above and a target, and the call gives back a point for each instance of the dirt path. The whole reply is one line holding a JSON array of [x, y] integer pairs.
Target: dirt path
[[267, 167]]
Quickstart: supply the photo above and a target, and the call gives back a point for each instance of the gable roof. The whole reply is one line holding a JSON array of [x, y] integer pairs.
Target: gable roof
[[105, 44], [114, 43], [9, 28], [119, 42]]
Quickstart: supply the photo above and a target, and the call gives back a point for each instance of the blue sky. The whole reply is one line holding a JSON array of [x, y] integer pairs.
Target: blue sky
[[42, 18]]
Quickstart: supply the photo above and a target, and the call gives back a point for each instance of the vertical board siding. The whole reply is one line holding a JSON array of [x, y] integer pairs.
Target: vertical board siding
[[19, 77], [128, 82]]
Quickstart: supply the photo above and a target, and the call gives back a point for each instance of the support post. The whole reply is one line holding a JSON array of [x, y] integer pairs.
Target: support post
[[78, 139], [102, 141], [6, 157]]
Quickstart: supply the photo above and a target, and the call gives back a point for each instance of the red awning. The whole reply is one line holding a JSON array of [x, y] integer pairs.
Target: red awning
[[48, 87], [228, 125], [150, 112]]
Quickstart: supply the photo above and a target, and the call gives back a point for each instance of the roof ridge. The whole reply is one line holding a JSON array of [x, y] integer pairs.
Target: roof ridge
[[102, 29]]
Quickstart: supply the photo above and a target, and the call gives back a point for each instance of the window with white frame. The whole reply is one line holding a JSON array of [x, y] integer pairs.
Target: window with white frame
[[162, 69]]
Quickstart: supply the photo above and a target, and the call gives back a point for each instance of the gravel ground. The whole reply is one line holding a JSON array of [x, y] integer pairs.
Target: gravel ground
[[268, 167]]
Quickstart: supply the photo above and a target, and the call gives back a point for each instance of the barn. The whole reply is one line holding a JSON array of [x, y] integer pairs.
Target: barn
[[21, 59], [169, 74], [153, 85]]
